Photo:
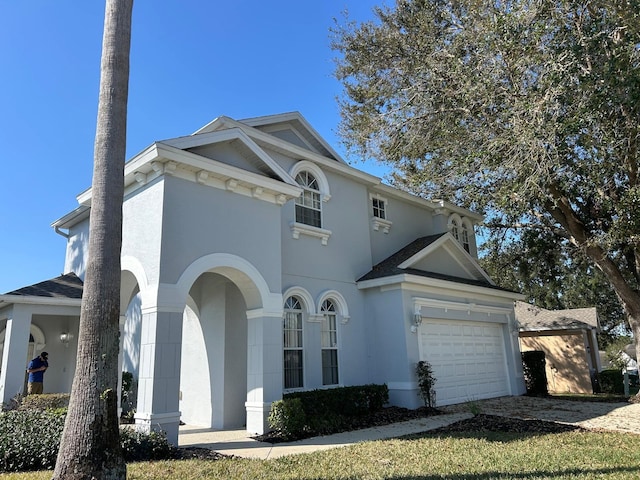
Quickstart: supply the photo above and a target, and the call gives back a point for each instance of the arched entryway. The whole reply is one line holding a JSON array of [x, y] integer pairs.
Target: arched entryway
[[213, 374]]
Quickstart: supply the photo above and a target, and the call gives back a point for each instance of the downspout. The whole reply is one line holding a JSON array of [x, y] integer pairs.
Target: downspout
[[60, 232]]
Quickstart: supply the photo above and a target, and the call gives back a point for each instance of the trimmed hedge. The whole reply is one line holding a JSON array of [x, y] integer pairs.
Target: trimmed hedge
[[46, 401], [29, 440], [321, 412], [611, 381], [535, 376]]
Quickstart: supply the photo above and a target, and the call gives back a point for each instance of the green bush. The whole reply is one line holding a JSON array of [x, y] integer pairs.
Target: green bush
[[287, 417], [535, 376], [328, 410], [46, 401], [29, 440], [139, 446], [611, 381]]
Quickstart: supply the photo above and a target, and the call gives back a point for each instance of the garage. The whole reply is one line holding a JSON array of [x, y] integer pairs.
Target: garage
[[468, 359]]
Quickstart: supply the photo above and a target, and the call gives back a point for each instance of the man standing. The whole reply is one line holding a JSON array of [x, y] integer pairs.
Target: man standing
[[36, 370]]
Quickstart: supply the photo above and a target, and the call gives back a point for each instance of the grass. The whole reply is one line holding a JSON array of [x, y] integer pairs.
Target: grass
[[470, 456]]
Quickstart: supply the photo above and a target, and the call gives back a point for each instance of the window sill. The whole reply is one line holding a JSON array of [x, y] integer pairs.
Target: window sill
[[378, 223], [301, 228]]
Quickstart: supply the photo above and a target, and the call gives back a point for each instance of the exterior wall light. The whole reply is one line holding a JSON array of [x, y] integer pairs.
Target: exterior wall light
[[65, 338]]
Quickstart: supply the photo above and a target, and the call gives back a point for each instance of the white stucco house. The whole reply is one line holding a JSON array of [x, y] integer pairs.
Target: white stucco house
[[256, 261]]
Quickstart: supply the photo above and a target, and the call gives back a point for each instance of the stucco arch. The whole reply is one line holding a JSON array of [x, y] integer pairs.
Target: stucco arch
[[304, 295], [36, 332], [317, 172], [247, 278], [339, 300], [133, 278]]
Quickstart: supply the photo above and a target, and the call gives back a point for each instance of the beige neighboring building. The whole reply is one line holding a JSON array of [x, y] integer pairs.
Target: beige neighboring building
[[568, 339]]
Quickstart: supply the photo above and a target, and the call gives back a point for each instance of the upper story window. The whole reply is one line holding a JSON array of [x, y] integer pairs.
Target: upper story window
[[309, 204], [380, 213], [293, 344], [464, 238], [379, 208], [455, 229], [462, 230], [308, 218]]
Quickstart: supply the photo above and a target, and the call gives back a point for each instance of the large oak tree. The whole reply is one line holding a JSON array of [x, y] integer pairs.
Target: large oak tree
[[90, 445], [526, 110]]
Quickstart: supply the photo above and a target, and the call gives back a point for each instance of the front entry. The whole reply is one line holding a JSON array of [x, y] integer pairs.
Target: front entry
[[213, 375]]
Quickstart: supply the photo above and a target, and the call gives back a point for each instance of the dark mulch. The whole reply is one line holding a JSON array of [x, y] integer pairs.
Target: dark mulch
[[495, 423], [479, 423]]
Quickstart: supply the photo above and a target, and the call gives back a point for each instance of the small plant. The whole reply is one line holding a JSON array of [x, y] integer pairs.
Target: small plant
[[535, 376], [141, 446], [426, 382], [474, 407]]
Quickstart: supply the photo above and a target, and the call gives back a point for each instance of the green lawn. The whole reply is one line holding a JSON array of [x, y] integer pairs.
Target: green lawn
[[473, 456]]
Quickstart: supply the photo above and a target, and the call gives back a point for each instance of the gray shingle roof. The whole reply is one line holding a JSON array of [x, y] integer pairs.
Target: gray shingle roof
[[64, 286], [533, 318], [389, 266]]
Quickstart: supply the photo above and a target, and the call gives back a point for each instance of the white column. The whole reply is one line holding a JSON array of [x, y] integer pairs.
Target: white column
[[159, 373], [264, 368], [14, 356]]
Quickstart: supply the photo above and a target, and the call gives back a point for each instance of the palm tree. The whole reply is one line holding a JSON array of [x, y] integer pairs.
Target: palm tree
[[90, 446]]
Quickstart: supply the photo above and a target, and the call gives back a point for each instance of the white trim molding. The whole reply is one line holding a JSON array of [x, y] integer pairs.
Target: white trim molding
[[301, 228]]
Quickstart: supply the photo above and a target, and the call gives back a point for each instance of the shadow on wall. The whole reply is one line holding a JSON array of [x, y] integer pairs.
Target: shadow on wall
[[131, 337]]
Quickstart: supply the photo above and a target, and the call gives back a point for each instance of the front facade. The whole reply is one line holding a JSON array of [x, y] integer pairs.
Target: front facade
[[257, 262]]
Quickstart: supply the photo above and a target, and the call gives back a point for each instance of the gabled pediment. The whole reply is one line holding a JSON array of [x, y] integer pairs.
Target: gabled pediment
[[436, 256], [288, 128], [446, 256]]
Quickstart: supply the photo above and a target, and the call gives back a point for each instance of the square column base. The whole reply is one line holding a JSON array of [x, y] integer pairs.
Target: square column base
[[168, 423], [257, 417]]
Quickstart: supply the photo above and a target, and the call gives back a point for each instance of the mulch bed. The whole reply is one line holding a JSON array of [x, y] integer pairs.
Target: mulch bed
[[479, 423]]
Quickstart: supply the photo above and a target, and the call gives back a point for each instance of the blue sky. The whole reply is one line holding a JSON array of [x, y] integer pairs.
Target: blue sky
[[191, 61]]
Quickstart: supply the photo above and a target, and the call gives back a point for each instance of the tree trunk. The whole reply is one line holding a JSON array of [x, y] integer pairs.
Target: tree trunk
[[90, 446]]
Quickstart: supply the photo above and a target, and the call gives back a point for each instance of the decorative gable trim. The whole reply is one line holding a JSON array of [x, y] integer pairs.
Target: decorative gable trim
[[457, 252]]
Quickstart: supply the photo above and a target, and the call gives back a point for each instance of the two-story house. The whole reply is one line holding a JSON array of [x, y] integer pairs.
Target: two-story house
[[255, 262]]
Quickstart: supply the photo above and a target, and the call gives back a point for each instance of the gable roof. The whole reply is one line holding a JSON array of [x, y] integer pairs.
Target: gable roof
[[532, 318], [64, 286], [272, 123], [407, 261]]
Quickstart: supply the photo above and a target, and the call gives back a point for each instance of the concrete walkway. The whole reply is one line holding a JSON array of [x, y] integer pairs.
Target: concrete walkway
[[623, 417], [236, 442]]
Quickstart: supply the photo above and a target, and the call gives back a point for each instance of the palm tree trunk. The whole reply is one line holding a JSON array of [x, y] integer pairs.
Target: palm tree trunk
[[90, 446]]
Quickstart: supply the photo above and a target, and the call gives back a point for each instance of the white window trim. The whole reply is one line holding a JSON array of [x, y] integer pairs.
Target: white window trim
[[376, 222], [300, 294], [337, 298], [323, 184], [304, 229]]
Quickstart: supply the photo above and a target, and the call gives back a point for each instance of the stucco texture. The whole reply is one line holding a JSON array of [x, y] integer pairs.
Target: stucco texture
[[567, 366]]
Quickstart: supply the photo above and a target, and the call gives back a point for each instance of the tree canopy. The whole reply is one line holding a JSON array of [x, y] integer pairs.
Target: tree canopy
[[527, 111]]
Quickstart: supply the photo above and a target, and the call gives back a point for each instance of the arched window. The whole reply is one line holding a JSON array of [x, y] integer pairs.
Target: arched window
[[455, 230], [465, 237], [329, 333], [293, 346], [309, 204]]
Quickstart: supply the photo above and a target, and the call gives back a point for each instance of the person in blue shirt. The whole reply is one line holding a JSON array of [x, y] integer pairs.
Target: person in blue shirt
[[36, 370]]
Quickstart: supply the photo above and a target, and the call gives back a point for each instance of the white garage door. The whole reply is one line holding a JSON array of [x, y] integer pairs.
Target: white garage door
[[467, 359]]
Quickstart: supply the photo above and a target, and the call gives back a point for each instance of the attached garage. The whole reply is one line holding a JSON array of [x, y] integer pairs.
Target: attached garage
[[468, 359]]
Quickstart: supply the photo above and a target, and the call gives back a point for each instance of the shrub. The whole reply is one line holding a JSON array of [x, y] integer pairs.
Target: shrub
[[426, 382], [535, 376], [139, 446], [29, 439], [611, 381], [287, 417], [46, 401], [328, 410]]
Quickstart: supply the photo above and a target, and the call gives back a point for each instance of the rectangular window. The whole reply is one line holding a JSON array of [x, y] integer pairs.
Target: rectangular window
[[329, 335], [308, 209], [379, 210], [293, 366]]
